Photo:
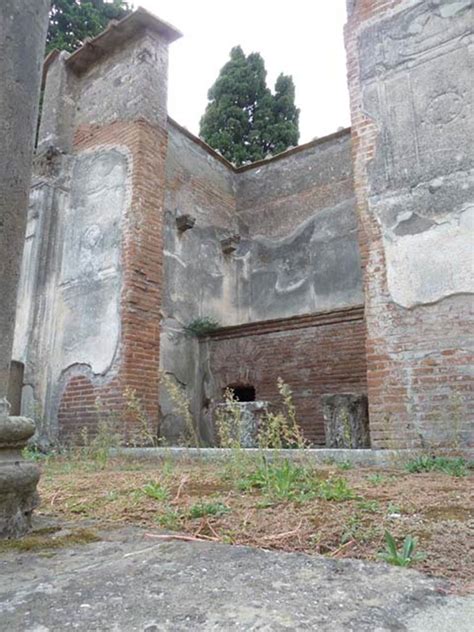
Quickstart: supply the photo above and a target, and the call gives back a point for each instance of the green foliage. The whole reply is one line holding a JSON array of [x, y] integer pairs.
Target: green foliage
[[106, 437], [72, 21], [182, 407], [336, 489], [376, 479], [201, 327], [144, 430], [455, 466], [31, 453], [243, 120], [405, 556], [371, 506], [344, 465], [355, 529], [228, 419], [199, 510], [170, 519], [281, 430], [156, 491], [281, 480]]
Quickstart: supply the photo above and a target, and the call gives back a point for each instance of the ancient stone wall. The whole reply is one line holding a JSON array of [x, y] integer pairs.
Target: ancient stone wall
[[410, 81], [315, 355], [199, 279], [136, 229], [296, 254], [299, 251], [91, 285]]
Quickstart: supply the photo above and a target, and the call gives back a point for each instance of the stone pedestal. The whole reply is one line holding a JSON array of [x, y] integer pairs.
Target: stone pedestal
[[18, 478], [346, 420], [250, 415]]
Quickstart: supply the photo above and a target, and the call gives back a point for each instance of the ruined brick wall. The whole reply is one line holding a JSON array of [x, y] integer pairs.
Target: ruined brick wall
[[298, 271], [317, 354], [91, 330], [408, 75], [197, 277], [136, 362]]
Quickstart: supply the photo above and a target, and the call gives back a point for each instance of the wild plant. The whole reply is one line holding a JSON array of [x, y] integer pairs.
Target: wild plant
[[228, 420], [201, 327], [336, 489], [157, 491], [143, 431], [403, 557], [455, 466], [201, 509], [182, 408], [281, 480], [281, 430]]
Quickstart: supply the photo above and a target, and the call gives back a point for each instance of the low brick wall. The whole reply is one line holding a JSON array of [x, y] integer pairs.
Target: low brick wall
[[314, 354]]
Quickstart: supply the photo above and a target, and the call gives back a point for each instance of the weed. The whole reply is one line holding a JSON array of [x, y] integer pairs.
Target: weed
[[143, 432], [228, 419], [281, 480], [376, 479], [201, 327], [455, 466], [344, 465], [405, 556], [281, 430], [170, 519], [393, 509], [336, 489], [156, 491], [182, 408], [31, 453], [98, 448], [111, 496], [199, 510], [371, 506]]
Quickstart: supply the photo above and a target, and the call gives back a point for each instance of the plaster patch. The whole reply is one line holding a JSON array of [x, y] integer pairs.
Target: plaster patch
[[429, 266], [91, 268]]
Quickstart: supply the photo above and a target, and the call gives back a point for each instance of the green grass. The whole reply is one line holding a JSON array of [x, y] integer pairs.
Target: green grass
[[170, 519], [157, 491], [281, 480], [336, 489], [454, 466], [201, 509]]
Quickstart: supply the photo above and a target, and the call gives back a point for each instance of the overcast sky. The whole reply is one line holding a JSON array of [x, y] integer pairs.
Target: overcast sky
[[302, 38]]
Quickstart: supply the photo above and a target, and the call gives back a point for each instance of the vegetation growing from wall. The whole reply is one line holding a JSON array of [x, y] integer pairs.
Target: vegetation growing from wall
[[243, 120], [72, 21]]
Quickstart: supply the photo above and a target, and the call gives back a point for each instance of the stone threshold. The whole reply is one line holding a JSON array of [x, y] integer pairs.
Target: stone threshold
[[323, 456]]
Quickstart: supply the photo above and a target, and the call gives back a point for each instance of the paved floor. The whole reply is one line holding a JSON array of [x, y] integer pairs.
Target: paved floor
[[128, 581]]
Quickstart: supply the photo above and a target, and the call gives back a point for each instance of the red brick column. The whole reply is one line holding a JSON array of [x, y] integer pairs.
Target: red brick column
[[142, 262], [417, 359]]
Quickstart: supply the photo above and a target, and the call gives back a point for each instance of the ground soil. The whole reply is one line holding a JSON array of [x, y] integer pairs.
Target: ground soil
[[434, 507]]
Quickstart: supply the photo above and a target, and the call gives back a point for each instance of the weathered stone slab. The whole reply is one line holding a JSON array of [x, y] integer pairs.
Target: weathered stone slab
[[130, 582], [346, 420]]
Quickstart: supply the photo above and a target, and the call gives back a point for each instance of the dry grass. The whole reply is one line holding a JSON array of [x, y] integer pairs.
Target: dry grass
[[434, 507]]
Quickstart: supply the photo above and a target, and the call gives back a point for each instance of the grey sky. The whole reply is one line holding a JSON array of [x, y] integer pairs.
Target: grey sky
[[299, 37]]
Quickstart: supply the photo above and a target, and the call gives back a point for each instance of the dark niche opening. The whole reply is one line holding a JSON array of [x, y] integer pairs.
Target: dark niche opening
[[243, 393]]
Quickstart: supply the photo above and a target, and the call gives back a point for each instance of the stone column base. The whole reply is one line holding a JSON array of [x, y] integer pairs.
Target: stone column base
[[18, 478]]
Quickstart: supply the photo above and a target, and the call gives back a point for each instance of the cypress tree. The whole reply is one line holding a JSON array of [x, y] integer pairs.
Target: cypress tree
[[243, 120]]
